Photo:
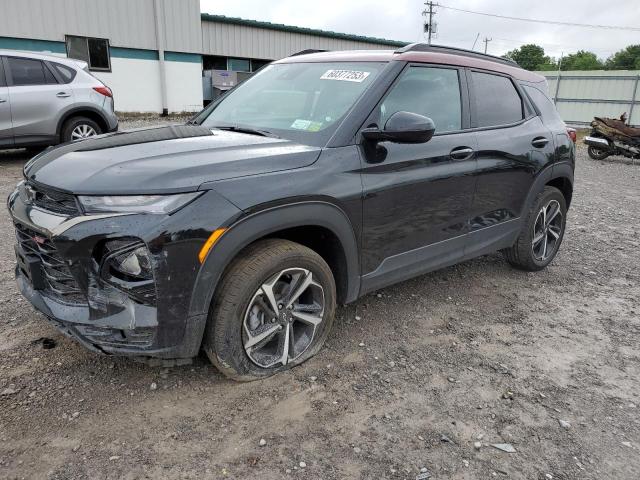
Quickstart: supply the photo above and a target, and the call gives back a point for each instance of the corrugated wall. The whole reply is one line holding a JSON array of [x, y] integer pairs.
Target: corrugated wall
[[126, 23], [251, 42], [582, 95]]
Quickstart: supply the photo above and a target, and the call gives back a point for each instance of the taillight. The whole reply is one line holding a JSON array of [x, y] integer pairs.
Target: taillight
[[106, 91], [572, 134]]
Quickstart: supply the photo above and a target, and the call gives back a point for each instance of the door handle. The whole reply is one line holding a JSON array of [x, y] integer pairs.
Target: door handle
[[63, 95], [539, 142], [2, 100], [461, 153]]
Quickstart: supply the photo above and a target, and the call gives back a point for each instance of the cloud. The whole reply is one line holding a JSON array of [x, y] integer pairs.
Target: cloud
[[402, 20]]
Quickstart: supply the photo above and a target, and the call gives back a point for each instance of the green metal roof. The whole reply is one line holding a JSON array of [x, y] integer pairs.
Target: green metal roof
[[207, 17]]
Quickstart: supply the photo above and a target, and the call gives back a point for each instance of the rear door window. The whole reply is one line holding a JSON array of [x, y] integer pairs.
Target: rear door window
[[3, 82], [28, 71], [497, 101], [429, 91]]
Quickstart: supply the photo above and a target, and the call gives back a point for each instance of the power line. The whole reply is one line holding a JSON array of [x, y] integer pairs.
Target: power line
[[548, 22]]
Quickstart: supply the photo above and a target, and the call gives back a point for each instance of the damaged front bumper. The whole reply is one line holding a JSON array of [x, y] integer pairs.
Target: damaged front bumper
[[61, 272]]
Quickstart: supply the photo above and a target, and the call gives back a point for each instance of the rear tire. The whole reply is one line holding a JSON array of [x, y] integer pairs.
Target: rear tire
[[79, 128], [597, 154], [545, 222], [255, 328]]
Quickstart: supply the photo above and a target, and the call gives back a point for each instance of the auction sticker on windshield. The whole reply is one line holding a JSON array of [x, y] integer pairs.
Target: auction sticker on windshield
[[345, 75]]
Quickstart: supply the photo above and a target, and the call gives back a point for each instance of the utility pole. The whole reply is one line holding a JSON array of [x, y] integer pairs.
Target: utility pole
[[429, 27], [486, 42], [555, 97]]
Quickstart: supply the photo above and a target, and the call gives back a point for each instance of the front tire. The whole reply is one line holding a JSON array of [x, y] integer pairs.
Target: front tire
[[273, 310], [542, 232], [597, 154]]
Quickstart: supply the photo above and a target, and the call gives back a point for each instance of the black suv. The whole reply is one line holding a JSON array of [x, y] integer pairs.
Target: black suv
[[322, 178]]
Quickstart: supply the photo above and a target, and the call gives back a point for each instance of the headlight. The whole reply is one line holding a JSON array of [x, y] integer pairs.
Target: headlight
[[137, 203]]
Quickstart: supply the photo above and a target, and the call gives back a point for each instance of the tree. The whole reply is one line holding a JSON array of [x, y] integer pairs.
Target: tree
[[550, 65], [581, 60], [627, 59], [530, 57]]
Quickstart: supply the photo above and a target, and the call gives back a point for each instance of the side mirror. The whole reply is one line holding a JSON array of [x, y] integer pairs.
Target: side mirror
[[403, 127]]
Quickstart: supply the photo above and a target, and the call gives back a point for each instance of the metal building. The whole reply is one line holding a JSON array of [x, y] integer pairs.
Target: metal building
[[154, 54], [581, 95]]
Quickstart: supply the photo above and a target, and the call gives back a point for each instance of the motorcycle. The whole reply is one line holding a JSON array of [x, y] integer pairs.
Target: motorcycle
[[612, 136]]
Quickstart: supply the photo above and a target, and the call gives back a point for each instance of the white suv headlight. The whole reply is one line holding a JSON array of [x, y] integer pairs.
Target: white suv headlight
[[137, 203]]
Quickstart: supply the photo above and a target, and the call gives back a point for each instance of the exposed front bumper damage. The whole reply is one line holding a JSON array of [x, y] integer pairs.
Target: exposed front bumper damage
[[103, 317]]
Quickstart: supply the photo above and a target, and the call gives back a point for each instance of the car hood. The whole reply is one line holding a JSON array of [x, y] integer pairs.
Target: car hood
[[163, 160]]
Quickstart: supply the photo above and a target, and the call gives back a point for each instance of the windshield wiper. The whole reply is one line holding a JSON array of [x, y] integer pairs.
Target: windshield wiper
[[248, 130]]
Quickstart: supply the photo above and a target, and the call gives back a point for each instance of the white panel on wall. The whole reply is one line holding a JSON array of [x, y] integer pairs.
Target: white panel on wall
[[135, 84], [184, 86]]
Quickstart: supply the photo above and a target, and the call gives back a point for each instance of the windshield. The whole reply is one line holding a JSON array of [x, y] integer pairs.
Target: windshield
[[299, 101]]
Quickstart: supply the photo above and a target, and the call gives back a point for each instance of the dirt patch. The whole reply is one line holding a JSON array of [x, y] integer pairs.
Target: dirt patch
[[478, 352]]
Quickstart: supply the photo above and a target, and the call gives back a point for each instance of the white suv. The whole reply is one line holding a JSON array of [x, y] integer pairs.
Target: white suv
[[46, 100]]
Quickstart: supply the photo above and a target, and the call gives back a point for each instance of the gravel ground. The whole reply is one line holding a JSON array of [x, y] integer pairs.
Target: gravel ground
[[427, 374]]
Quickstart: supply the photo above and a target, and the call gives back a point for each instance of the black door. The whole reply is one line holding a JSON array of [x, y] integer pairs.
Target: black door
[[417, 197], [513, 146]]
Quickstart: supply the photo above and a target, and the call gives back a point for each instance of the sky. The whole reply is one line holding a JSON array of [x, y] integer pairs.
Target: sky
[[402, 20]]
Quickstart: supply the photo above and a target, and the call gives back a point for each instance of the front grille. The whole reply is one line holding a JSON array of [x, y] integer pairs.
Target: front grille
[[53, 200], [58, 282]]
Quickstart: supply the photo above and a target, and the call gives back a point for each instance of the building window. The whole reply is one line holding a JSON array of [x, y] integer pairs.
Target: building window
[[258, 64], [211, 62], [239, 64], [94, 51]]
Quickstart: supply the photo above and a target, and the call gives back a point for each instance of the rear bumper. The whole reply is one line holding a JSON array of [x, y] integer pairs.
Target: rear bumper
[[112, 121]]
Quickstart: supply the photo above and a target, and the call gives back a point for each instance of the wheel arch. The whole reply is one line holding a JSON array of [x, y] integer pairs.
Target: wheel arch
[[84, 111], [562, 179], [559, 175], [321, 226]]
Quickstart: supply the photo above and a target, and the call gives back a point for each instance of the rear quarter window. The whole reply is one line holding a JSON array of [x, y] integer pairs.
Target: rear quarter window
[[497, 101], [543, 104], [67, 74]]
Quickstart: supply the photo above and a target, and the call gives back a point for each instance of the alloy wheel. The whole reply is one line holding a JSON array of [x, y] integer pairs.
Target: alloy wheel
[[547, 231], [282, 318], [83, 131]]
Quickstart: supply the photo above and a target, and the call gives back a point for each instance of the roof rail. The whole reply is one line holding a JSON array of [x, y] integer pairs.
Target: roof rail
[[423, 47], [307, 52]]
